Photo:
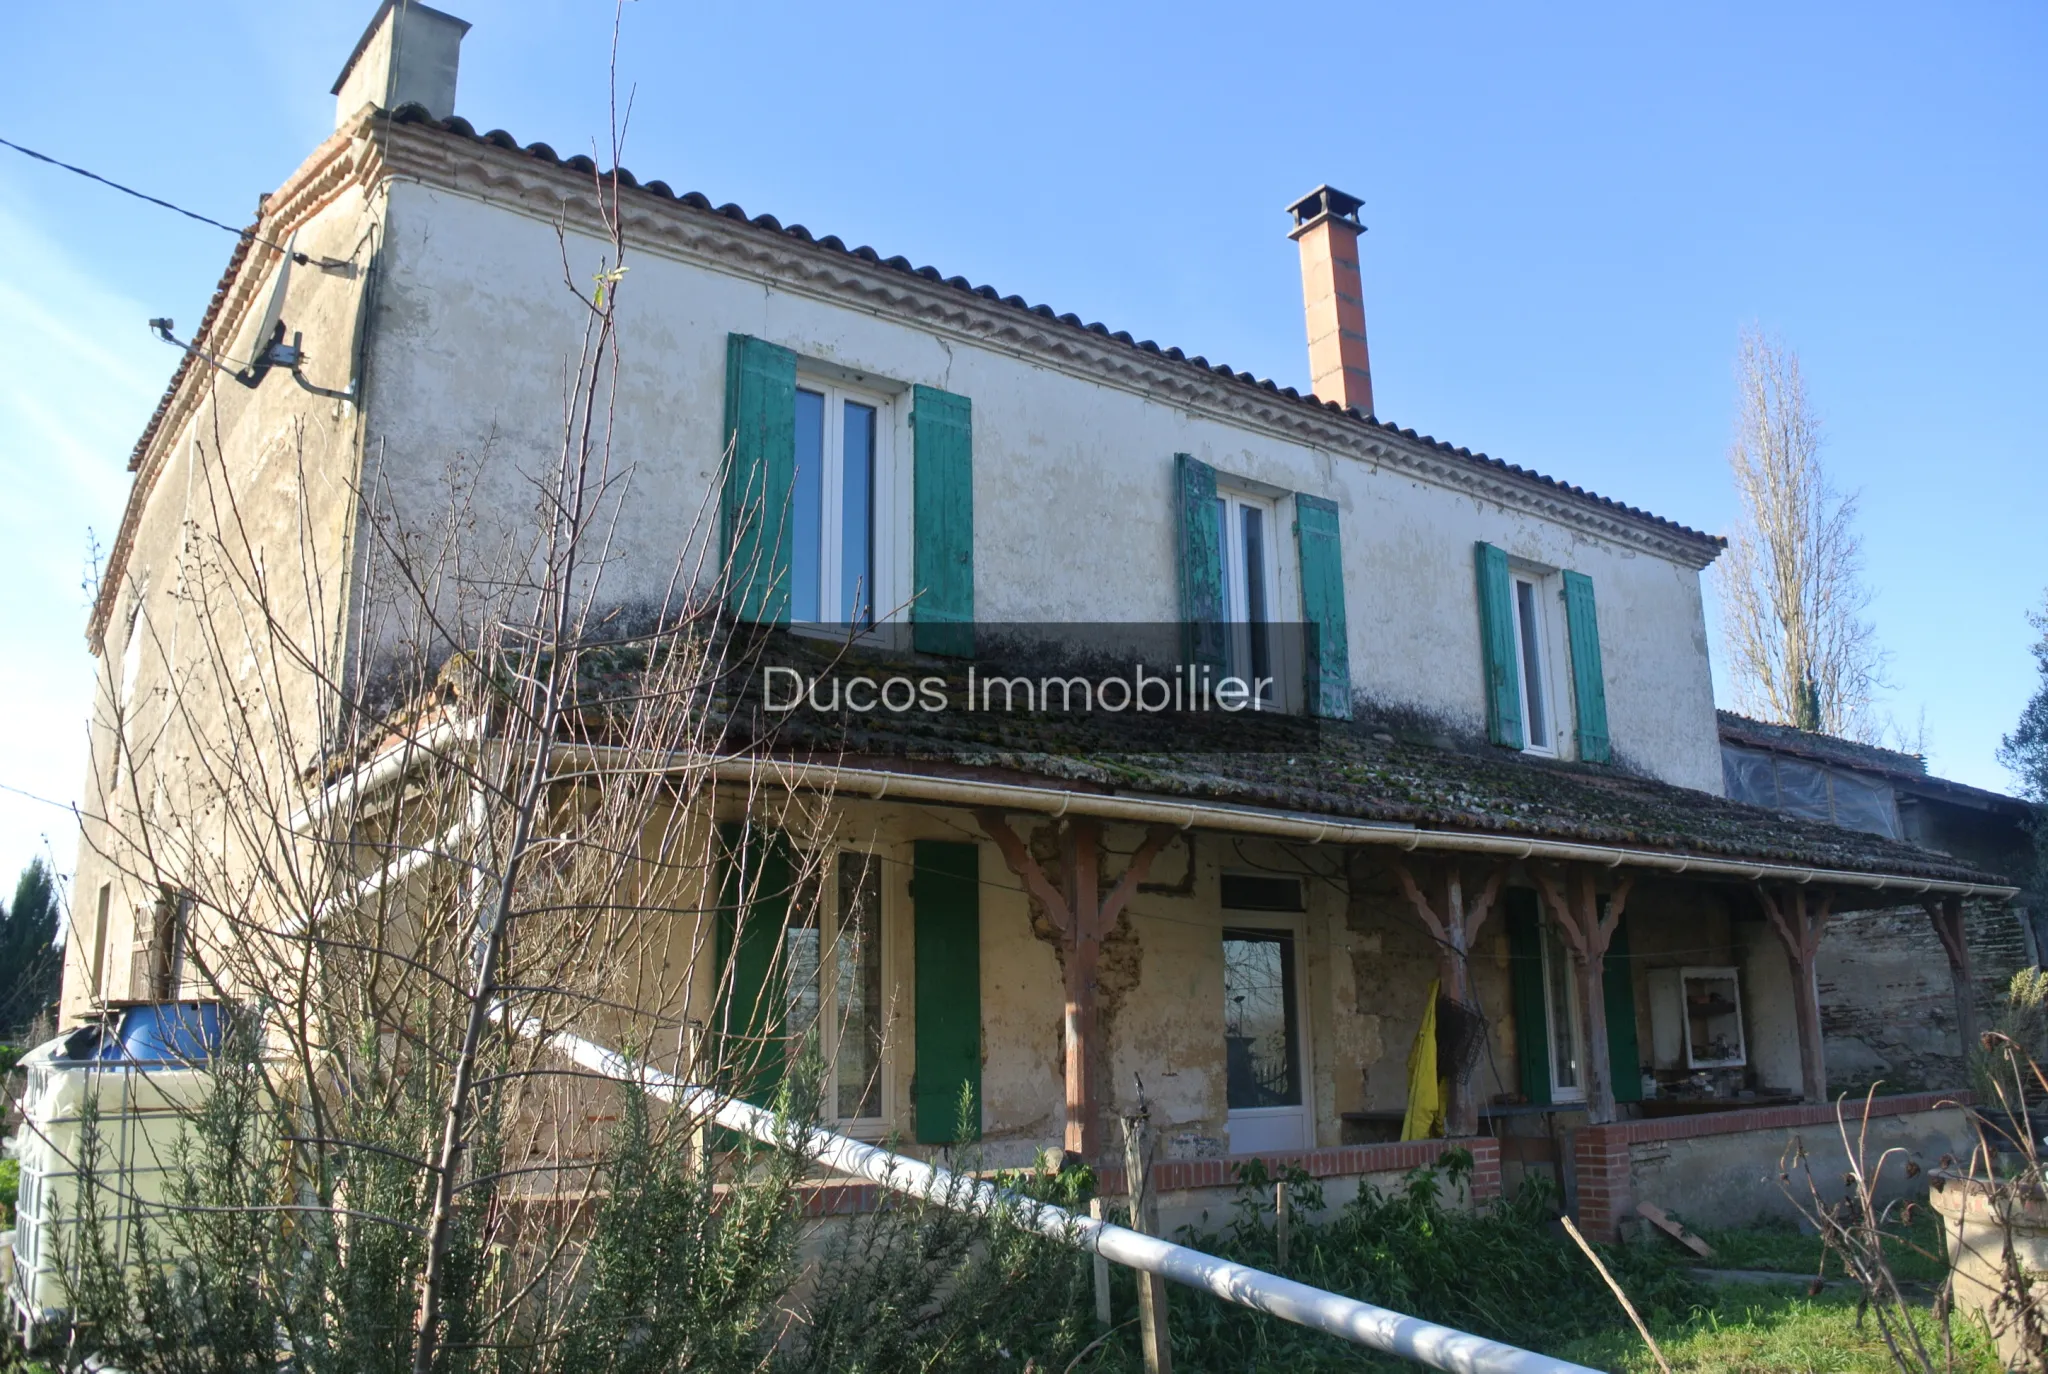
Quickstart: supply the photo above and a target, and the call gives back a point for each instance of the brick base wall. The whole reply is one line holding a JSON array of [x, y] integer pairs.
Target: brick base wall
[[1340, 1161], [842, 1198], [1605, 1164]]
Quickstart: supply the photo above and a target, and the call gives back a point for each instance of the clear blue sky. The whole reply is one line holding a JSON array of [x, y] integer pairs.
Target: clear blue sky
[[1573, 210]]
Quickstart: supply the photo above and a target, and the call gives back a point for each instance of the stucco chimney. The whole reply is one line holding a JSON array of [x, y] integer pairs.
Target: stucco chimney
[[1327, 228], [407, 56]]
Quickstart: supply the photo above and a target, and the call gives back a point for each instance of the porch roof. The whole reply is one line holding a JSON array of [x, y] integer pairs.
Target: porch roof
[[1380, 771]]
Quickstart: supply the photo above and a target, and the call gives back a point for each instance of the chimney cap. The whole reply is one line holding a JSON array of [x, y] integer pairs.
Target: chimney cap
[[1325, 202], [370, 31]]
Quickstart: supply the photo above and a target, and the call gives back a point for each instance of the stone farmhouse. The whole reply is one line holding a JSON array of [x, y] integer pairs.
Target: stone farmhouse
[[1516, 795]]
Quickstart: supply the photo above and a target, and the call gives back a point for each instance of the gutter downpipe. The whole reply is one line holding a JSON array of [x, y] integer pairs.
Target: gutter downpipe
[[1361, 1323], [1053, 801]]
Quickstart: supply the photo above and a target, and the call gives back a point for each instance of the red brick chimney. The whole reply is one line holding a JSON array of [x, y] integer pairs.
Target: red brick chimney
[[1327, 228]]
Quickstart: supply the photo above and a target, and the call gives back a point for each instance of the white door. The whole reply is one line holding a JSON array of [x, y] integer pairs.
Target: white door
[[1265, 1049]]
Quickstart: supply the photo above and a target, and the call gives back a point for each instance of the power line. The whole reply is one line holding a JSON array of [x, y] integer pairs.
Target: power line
[[250, 234], [46, 801]]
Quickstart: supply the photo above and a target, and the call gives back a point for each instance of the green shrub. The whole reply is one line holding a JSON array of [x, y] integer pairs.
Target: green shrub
[[1505, 1270]]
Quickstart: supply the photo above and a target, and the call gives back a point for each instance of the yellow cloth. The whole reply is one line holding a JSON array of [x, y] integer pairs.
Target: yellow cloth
[[1425, 1119]]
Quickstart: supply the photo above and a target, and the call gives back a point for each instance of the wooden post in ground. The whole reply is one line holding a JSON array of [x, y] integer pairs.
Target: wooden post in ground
[[1283, 1217], [1082, 914], [1145, 1219], [1453, 923], [1947, 916], [1574, 902], [1102, 1313], [1799, 920]]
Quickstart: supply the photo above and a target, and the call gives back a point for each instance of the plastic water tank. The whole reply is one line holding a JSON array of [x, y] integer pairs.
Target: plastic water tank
[[145, 1066]]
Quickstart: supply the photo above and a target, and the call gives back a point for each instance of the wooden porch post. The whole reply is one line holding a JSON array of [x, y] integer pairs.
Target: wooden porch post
[[1574, 902], [1454, 925], [1947, 915], [1799, 921], [1078, 910]]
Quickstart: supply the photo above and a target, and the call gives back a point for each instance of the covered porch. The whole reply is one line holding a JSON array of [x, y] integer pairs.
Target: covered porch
[[1255, 979]]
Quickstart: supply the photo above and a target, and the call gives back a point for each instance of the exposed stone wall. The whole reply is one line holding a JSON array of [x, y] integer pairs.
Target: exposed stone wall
[[1887, 1002]]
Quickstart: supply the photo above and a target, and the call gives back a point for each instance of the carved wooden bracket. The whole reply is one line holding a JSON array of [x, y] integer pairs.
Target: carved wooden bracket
[[1083, 914], [1450, 920], [1453, 922], [1946, 913], [1800, 920], [1574, 902], [1573, 897]]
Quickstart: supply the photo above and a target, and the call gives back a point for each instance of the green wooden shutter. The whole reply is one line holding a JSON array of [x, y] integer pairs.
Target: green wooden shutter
[[1624, 1059], [1201, 561], [1589, 689], [942, 426], [1320, 548], [946, 897], [753, 907], [1525, 980], [760, 430], [1497, 642]]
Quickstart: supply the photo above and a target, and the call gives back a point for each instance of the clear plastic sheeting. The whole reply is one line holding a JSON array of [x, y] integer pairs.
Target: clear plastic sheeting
[[1803, 790], [1809, 790], [1861, 805], [1749, 777]]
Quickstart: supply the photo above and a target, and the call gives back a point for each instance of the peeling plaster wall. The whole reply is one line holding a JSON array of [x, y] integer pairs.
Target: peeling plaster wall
[[1166, 1025], [475, 328], [276, 489]]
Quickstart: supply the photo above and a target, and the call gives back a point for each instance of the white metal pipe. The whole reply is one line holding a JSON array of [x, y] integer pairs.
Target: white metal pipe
[[1439, 1347], [396, 871]]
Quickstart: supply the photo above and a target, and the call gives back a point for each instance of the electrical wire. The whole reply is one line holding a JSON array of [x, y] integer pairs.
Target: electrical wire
[[250, 234], [46, 801]]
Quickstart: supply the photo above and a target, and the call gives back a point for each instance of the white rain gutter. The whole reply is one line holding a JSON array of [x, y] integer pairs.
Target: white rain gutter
[[880, 784], [386, 767], [1361, 1323], [442, 849]]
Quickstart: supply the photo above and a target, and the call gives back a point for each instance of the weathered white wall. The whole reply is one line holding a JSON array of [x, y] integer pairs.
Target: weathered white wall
[[1073, 475], [251, 478]]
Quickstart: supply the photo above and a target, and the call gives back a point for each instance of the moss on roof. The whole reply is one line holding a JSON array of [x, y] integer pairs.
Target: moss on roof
[[1359, 770]]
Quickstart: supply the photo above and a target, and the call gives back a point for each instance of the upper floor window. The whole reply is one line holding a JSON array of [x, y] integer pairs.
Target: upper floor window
[[1251, 574], [1539, 634], [1532, 665], [841, 435], [848, 500]]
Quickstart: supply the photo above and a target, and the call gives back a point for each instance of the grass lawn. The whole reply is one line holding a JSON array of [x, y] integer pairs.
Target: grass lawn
[[1750, 1330]]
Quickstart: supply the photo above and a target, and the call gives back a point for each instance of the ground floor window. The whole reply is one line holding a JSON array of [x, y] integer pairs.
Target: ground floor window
[[1550, 1016], [832, 951], [1262, 1032], [1565, 1019]]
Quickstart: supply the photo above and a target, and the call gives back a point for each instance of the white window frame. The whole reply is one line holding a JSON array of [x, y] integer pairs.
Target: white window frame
[[887, 512], [829, 1023], [1237, 609], [1255, 1122], [1555, 956], [1544, 673]]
